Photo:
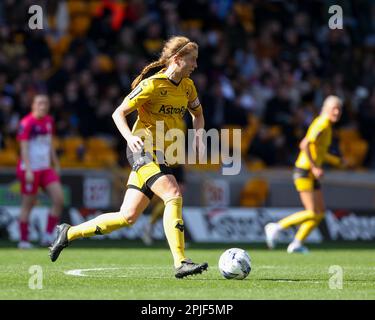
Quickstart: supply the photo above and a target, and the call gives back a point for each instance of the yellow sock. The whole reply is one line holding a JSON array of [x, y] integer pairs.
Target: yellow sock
[[105, 223], [307, 226], [296, 218], [157, 212], [174, 229]]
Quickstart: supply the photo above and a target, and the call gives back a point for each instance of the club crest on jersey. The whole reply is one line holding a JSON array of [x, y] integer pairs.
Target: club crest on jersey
[[163, 92], [168, 109]]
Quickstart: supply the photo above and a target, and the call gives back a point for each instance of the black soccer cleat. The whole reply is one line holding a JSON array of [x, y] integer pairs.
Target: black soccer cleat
[[60, 242], [189, 268]]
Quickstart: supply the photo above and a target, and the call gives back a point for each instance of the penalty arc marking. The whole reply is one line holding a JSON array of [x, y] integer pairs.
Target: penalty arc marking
[[84, 272], [81, 272], [95, 272]]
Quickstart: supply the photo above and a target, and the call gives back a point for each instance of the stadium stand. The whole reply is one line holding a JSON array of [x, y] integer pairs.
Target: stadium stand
[[264, 67]]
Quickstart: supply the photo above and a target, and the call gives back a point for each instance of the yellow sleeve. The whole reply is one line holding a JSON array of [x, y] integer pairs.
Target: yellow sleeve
[[332, 160], [194, 104], [141, 94], [315, 129]]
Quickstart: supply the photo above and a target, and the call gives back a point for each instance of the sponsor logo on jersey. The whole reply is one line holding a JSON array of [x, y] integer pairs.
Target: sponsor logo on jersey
[[168, 109]]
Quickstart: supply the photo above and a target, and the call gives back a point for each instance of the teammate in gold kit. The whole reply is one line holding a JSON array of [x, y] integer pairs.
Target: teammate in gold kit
[[307, 174], [161, 101]]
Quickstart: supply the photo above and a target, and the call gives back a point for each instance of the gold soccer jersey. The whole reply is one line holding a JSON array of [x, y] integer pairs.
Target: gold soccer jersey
[[319, 135], [158, 99]]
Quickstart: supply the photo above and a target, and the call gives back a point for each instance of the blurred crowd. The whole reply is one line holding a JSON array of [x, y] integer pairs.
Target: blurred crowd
[[270, 60]]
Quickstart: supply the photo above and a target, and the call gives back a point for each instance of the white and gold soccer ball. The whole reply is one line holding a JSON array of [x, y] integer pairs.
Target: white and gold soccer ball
[[235, 263]]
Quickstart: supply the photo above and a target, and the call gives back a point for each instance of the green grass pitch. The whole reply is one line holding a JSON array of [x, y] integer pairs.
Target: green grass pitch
[[128, 270]]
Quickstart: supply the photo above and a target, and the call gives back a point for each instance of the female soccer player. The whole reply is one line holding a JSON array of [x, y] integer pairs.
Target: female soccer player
[[34, 168], [307, 174], [161, 99]]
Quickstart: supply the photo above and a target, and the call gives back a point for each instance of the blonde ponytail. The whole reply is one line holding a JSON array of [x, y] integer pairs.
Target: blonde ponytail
[[145, 70]]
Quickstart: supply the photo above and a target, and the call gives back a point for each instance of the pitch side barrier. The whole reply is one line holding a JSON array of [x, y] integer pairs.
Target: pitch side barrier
[[210, 225], [103, 189]]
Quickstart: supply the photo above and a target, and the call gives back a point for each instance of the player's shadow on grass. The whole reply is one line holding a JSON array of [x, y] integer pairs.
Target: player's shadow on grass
[[291, 280], [311, 280]]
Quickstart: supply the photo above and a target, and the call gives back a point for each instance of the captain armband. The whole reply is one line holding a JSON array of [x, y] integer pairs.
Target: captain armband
[[194, 104]]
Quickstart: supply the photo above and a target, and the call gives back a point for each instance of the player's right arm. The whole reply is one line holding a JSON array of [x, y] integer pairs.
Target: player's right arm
[[26, 161], [119, 117], [141, 95], [23, 137], [317, 171], [309, 144]]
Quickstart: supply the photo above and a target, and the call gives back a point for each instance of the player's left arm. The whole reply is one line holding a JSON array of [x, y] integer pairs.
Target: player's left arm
[[333, 160], [55, 160], [198, 125], [196, 112], [338, 162], [195, 108], [197, 118]]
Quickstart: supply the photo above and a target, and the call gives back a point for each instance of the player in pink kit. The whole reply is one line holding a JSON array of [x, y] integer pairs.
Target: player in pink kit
[[34, 168]]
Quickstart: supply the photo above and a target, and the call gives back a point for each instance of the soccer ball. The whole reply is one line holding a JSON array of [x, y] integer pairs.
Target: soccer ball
[[235, 263]]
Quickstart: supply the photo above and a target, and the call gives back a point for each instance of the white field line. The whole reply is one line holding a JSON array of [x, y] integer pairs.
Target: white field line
[[96, 272], [79, 272], [92, 272]]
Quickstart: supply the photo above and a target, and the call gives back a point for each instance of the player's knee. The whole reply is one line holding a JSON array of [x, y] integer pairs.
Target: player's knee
[[172, 193], [130, 216], [130, 221]]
